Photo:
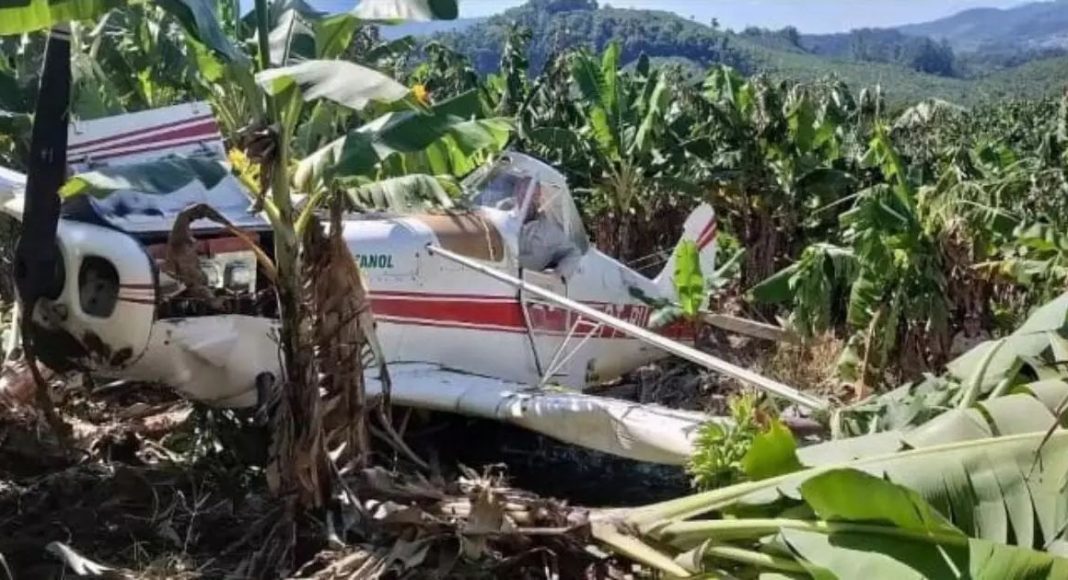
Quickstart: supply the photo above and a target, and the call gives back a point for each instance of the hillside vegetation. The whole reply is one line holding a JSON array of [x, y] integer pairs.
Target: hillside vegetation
[[907, 68], [1034, 25]]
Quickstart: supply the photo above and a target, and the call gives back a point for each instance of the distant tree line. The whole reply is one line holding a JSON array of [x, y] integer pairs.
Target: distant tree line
[[866, 45], [557, 25]]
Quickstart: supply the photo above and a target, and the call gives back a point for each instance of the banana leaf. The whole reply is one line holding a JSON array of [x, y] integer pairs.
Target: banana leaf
[[196, 16], [1008, 490], [909, 539], [985, 508], [21, 16], [406, 10], [1040, 335], [402, 195], [688, 279], [363, 151], [1035, 408], [161, 177], [342, 82]]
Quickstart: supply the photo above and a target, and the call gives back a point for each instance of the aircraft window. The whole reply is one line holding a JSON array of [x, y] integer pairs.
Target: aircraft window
[[552, 236], [501, 188]]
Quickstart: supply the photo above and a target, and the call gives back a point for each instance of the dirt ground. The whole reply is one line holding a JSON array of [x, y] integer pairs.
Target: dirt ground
[[155, 487], [152, 487]]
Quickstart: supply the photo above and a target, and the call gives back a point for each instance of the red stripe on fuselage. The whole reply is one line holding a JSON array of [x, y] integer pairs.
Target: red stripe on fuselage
[[503, 314], [77, 148], [472, 312], [152, 144]]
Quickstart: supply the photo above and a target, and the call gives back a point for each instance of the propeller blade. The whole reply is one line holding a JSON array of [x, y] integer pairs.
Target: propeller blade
[[37, 255]]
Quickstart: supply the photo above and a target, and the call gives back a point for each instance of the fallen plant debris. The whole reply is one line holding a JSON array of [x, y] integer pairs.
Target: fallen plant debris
[[140, 499]]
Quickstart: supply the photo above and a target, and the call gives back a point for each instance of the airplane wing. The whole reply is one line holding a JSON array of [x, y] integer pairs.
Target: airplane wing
[[648, 433], [11, 181], [12, 192]]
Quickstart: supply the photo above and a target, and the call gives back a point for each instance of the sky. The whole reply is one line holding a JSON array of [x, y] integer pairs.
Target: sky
[[815, 16]]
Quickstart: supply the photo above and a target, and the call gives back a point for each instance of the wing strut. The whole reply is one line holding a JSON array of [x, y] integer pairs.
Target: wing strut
[[674, 347]]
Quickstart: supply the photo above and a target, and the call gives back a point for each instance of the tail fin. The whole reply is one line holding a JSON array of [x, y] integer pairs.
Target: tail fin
[[700, 228], [186, 129]]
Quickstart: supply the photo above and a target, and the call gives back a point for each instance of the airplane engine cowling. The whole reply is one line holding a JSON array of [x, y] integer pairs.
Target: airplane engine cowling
[[100, 316]]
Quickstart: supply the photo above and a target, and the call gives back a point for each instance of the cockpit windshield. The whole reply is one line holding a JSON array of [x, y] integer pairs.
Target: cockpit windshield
[[552, 202], [499, 187], [530, 190], [538, 197]]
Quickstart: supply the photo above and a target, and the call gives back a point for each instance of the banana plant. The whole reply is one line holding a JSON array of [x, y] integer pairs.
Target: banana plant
[[771, 154], [1029, 360], [621, 143], [36, 255], [969, 492], [984, 508], [892, 263], [404, 131], [1038, 259]]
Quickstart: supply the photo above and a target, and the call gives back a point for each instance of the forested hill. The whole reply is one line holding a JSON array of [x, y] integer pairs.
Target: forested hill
[[908, 68], [884, 45], [557, 24], [1038, 25]]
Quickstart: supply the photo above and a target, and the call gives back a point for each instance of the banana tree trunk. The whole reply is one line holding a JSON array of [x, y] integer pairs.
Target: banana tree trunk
[[298, 466], [763, 241]]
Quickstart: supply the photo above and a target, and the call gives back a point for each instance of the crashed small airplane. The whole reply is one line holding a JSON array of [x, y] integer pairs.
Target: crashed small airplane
[[487, 311]]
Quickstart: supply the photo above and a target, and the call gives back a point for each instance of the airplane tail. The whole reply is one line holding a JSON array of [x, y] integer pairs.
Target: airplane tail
[[701, 229], [181, 130]]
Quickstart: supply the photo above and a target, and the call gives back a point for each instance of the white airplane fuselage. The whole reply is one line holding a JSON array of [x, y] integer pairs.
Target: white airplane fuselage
[[429, 309], [116, 313]]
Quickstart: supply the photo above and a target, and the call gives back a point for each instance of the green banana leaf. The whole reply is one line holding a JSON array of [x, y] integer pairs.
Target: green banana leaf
[[688, 279], [1001, 489], [1038, 336], [293, 38], [20, 16], [196, 16], [363, 151], [878, 557], [1032, 355], [986, 508], [897, 534], [407, 10], [161, 176], [342, 82], [598, 86], [402, 195], [1034, 408]]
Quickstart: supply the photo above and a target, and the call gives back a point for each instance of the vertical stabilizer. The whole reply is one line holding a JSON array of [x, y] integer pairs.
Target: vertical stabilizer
[[700, 228]]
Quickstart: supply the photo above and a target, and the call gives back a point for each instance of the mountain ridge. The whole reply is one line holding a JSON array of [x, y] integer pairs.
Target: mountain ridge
[[1032, 25], [908, 67]]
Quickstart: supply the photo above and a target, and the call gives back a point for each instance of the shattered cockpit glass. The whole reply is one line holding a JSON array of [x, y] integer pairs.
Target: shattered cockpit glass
[[552, 201], [509, 183], [500, 186]]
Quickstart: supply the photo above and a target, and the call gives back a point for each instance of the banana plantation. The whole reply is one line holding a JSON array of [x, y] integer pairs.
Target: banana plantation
[[910, 262]]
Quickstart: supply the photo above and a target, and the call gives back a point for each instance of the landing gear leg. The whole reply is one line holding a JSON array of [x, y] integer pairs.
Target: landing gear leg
[[265, 389]]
